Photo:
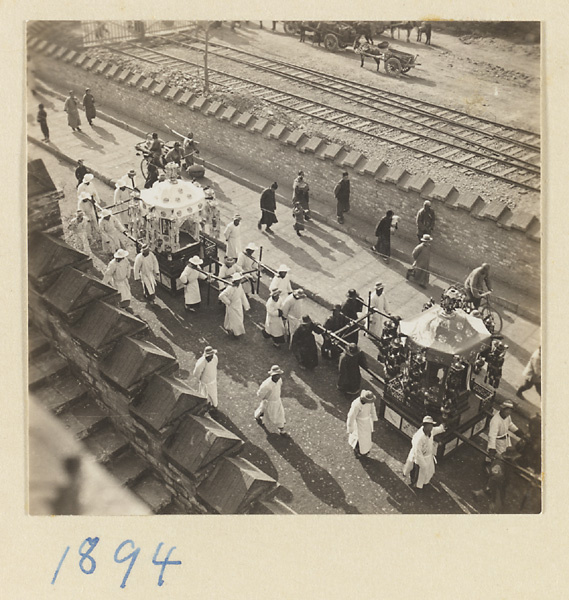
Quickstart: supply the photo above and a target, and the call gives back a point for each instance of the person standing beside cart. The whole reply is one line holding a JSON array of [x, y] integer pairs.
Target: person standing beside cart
[[421, 461], [147, 271], [190, 279]]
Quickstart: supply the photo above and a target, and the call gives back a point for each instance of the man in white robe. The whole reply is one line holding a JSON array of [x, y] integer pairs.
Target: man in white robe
[[281, 281], [271, 408], [499, 431], [379, 303], [190, 279], [235, 302], [232, 235], [360, 423], [227, 270], [421, 460], [146, 270], [87, 185], [122, 193], [117, 275], [80, 227], [206, 373], [85, 204], [112, 232], [274, 325], [246, 263], [293, 309]]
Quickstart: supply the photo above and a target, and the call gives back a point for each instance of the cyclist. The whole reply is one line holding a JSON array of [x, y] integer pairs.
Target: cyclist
[[475, 283]]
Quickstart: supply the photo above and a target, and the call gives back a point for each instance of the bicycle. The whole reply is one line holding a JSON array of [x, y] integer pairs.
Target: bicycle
[[490, 314]]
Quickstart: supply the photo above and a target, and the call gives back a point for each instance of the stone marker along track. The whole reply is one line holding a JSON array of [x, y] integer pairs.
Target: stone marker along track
[[471, 143]]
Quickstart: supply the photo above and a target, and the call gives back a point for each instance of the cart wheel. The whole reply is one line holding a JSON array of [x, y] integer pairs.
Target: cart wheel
[[393, 67], [405, 69], [290, 27], [490, 311], [331, 42], [144, 168]]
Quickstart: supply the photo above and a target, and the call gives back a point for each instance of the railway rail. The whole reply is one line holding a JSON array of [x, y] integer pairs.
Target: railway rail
[[482, 146]]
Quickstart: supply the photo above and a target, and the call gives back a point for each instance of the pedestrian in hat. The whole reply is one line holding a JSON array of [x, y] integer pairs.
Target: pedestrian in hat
[[189, 149], [232, 235], [189, 278], [86, 205], [147, 271], [293, 308], [383, 233], [281, 281], [268, 208], [419, 270], [71, 107], [112, 232], [360, 423], [42, 120], [89, 106], [80, 227], [235, 300], [227, 270], [379, 307], [274, 324], [349, 376], [117, 275], [122, 193], [271, 410], [246, 263], [425, 220], [206, 373], [298, 216], [175, 155], [342, 195], [303, 344], [335, 322], [301, 193], [420, 464], [80, 171], [499, 430], [352, 308], [88, 185]]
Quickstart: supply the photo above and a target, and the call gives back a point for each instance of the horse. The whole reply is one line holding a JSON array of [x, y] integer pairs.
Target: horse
[[424, 28], [370, 50], [406, 25]]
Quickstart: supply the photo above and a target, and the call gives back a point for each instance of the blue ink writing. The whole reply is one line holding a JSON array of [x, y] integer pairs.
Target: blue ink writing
[[59, 565], [91, 542], [164, 562], [132, 556]]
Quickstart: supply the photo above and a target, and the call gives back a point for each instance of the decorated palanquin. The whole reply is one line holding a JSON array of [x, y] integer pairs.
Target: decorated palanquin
[[432, 364], [180, 219]]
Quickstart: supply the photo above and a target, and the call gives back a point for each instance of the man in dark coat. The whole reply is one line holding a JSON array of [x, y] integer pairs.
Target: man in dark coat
[[268, 208], [421, 262], [80, 171], [42, 120], [89, 106], [336, 321], [383, 234], [303, 344], [351, 307], [349, 376], [342, 194], [425, 220]]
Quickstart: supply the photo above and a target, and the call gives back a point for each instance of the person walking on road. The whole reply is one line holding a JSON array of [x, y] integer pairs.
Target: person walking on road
[[86, 204], [477, 285], [274, 324], [383, 233], [71, 107], [298, 216], [122, 193], [80, 171], [246, 264], [88, 185], [147, 271], [420, 464], [301, 194], [425, 220], [293, 310], [117, 275], [42, 120], [232, 235], [349, 375], [378, 308], [303, 344], [227, 270], [268, 208], [281, 281], [190, 279], [89, 106], [360, 423], [271, 408], [112, 232], [206, 373], [351, 309], [532, 374], [235, 300], [335, 322], [342, 194], [80, 227], [499, 430], [421, 261]]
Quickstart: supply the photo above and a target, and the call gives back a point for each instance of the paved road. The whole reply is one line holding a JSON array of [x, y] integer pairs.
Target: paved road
[[316, 465]]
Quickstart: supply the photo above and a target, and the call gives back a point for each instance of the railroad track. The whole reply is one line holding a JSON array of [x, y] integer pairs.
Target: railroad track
[[498, 151]]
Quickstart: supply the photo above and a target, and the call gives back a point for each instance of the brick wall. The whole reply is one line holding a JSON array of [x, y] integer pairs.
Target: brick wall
[[466, 230]]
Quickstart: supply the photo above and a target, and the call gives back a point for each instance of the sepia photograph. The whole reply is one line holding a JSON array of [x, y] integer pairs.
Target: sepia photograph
[[284, 267]]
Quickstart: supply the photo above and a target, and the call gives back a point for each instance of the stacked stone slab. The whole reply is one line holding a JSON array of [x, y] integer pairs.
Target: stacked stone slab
[[133, 383]]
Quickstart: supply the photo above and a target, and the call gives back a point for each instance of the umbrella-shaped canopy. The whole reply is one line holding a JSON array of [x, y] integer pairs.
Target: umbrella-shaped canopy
[[174, 199], [444, 335]]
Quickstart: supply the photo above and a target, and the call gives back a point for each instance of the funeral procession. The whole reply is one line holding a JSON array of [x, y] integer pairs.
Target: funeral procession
[[284, 267]]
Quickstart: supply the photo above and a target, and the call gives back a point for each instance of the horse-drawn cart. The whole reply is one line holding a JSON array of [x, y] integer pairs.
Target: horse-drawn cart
[[395, 62]]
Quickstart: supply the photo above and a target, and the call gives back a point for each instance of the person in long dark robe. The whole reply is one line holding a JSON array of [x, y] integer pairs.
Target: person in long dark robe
[[349, 376], [268, 208], [301, 194], [303, 344], [72, 110], [342, 194], [383, 234], [336, 321], [422, 258], [81, 171], [42, 120], [351, 307], [89, 106]]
